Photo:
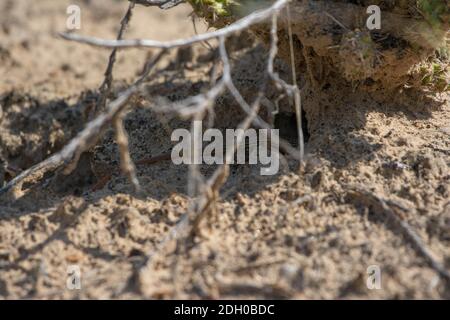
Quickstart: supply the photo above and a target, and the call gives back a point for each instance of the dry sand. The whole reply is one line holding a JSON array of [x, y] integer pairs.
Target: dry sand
[[263, 243]]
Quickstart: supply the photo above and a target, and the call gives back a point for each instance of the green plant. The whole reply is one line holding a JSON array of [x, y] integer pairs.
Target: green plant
[[436, 76], [214, 7]]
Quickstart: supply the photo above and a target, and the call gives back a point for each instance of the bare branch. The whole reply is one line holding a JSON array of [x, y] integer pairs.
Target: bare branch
[[126, 163], [238, 26], [407, 230], [105, 88], [162, 4]]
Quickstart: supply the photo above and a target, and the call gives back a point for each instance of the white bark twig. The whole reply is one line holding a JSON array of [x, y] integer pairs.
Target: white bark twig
[[162, 4], [236, 27], [126, 163], [87, 138], [105, 88], [191, 107], [206, 192]]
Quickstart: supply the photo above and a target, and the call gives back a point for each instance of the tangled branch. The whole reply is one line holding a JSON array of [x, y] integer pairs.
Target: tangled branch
[[204, 192]]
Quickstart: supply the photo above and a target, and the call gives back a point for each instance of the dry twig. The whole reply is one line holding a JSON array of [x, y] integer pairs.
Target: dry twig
[[409, 233], [87, 138], [105, 88], [194, 106]]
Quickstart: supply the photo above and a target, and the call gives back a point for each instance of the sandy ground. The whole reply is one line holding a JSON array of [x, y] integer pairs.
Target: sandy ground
[[307, 234]]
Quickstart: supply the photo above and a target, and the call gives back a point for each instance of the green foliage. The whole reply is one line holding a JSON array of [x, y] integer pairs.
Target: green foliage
[[215, 7], [436, 76], [212, 9]]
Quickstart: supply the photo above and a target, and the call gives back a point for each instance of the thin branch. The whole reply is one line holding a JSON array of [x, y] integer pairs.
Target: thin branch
[[195, 106], [410, 234], [126, 163], [105, 88], [238, 26], [162, 4], [87, 138], [189, 223]]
